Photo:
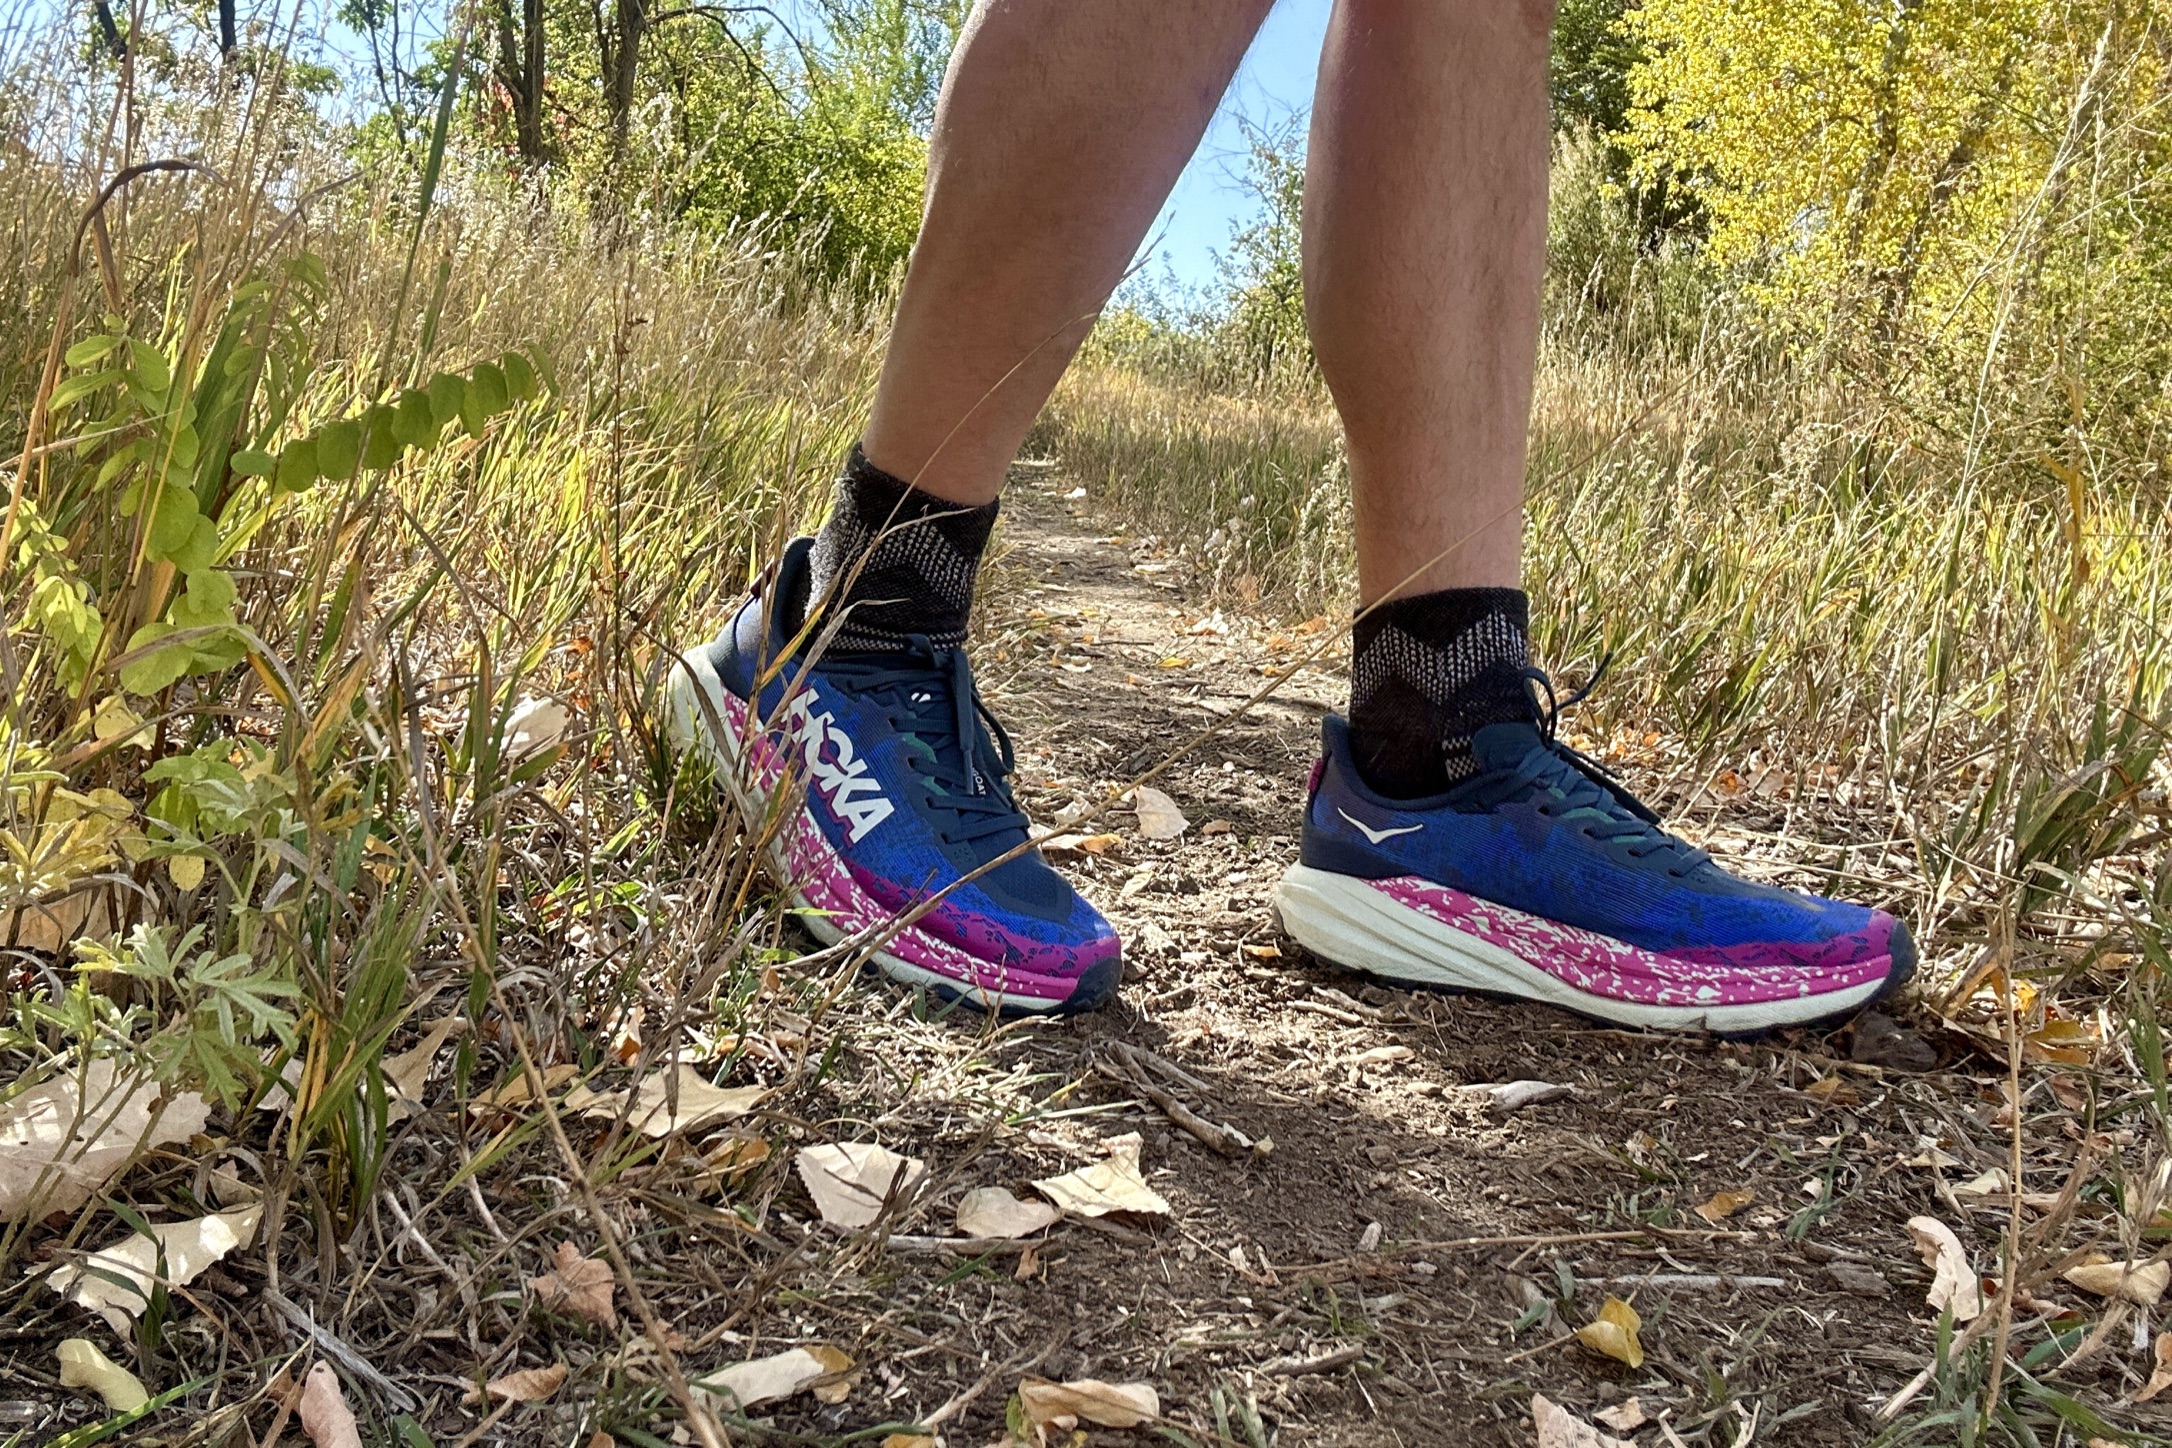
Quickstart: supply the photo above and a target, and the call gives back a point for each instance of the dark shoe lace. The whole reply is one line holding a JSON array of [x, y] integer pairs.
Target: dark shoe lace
[[931, 700], [1575, 788]]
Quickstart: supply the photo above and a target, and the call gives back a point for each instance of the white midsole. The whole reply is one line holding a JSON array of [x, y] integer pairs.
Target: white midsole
[[1346, 920], [692, 680]]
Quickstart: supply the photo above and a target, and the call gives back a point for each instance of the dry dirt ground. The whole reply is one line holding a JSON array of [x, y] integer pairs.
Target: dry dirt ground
[[1406, 1265], [1436, 1250]]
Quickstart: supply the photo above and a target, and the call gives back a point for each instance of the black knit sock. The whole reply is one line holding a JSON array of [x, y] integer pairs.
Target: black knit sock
[[1429, 672], [917, 557]]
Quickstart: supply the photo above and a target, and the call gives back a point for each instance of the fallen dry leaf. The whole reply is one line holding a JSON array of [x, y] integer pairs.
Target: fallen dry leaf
[[579, 1286], [1560, 1428], [850, 1181], [407, 1073], [1382, 1056], [1080, 844], [528, 1385], [1613, 1333], [1624, 1417], [326, 1418], [2160, 1374], [1954, 1282], [534, 726], [116, 1282], [1508, 1096], [82, 1365], [2141, 1283], [1063, 1406], [748, 1385], [992, 1212], [1114, 1185], [1159, 817], [732, 1158], [62, 1140], [48, 925], [908, 1440], [2061, 1042], [1833, 1091], [1720, 1206], [513, 1090], [700, 1103]]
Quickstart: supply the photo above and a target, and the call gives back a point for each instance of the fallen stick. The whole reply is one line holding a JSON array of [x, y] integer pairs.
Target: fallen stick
[[1226, 1140], [1694, 1281], [333, 1346], [962, 1246], [1139, 1055], [1326, 1362], [1564, 1239]]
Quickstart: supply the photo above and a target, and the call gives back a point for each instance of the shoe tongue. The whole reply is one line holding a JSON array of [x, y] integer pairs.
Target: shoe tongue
[[1503, 746]]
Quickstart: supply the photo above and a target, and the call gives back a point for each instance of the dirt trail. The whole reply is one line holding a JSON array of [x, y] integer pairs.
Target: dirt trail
[[1780, 1326]]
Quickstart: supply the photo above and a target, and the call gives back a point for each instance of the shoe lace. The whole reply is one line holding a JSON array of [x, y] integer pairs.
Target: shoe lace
[[936, 708], [1589, 794]]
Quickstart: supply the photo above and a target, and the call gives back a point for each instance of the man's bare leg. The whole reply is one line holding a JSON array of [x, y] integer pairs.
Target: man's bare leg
[[1425, 240], [1062, 127], [1448, 841]]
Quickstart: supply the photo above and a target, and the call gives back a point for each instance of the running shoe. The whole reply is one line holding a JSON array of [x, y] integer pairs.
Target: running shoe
[[1540, 878], [882, 783]]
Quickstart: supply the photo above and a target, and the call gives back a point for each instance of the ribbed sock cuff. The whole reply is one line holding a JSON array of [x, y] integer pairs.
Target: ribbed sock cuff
[[1429, 672], [898, 561]]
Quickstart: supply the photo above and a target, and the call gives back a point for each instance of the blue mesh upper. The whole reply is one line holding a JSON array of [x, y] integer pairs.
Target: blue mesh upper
[[1534, 832]]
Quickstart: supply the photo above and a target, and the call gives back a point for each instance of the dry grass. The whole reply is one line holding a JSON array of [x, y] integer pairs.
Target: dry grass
[[1804, 596]]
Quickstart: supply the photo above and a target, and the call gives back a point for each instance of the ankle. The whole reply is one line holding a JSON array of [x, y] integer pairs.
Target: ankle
[[897, 561], [1426, 674]]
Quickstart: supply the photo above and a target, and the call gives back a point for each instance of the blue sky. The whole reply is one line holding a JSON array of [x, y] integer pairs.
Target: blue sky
[[1274, 83]]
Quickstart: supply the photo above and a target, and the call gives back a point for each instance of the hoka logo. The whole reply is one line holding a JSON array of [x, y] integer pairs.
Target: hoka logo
[[842, 778]]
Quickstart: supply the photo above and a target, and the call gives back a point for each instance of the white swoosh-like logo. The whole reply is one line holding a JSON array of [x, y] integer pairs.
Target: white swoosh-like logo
[[1376, 836]]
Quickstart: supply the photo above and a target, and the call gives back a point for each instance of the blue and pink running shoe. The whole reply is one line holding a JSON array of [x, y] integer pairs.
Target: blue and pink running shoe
[[1540, 878], [881, 789]]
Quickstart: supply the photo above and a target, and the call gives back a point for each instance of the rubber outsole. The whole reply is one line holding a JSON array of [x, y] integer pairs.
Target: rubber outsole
[[1347, 922], [692, 682]]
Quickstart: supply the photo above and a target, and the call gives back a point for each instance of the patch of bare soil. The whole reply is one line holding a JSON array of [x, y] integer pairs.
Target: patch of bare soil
[[1407, 1263], [1363, 1246]]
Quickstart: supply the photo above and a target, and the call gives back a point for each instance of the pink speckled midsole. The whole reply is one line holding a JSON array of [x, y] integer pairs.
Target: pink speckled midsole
[[839, 908], [1412, 929]]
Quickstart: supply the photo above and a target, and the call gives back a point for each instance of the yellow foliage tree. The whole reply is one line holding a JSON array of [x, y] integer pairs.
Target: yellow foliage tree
[[1879, 156]]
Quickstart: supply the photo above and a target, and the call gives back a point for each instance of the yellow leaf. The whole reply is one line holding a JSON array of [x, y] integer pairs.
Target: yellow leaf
[[82, 1365], [1613, 1333], [1833, 1092], [1108, 1405], [851, 1182], [1722, 1205], [187, 870], [114, 719]]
